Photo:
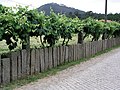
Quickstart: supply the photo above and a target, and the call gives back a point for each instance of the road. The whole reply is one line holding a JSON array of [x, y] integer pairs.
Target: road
[[99, 73]]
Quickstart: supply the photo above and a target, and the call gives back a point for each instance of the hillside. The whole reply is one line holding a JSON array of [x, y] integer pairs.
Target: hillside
[[59, 9], [72, 12]]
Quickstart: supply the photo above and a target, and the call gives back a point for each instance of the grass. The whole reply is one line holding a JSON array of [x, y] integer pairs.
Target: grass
[[33, 78], [35, 43]]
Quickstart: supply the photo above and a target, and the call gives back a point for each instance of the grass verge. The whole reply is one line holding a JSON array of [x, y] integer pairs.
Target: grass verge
[[50, 72]]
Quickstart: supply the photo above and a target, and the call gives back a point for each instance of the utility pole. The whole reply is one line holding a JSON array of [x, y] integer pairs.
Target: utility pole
[[105, 33], [105, 11]]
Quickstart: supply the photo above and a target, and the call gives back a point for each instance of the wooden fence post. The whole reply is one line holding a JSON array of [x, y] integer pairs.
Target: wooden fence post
[[46, 58], [74, 52], [69, 53], [42, 68], [112, 42], [80, 52], [84, 50], [60, 54], [28, 61], [63, 54], [19, 64], [119, 41], [87, 49], [77, 52], [24, 55], [32, 62], [94, 48], [0, 70], [55, 57], [5, 70], [100, 45], [90, 48], [37, 63], [66, 53], [50, 57], [13, 61], [104, 44]]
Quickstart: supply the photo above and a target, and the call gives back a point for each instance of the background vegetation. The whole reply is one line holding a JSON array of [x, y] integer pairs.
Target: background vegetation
[[20, 26]]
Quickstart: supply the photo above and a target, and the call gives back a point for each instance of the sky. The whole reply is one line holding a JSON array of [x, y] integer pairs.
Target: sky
[[97, 6]]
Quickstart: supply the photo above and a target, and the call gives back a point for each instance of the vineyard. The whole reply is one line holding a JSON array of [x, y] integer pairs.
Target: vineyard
[[21, 28], [18, 25]]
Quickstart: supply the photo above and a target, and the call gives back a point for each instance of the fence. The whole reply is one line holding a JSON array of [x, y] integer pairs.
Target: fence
[[22, 63]]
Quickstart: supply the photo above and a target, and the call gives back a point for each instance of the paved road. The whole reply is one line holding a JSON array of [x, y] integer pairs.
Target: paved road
[[99, 73]]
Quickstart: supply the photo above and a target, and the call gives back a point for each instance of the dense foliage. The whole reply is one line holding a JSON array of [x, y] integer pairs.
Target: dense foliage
[[99, 16], [18, 24]]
